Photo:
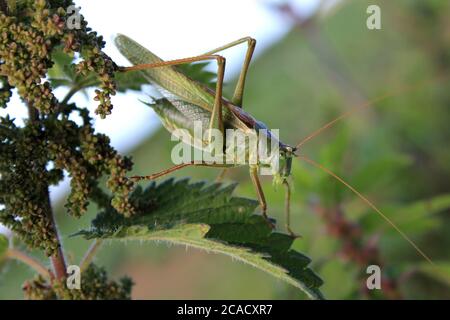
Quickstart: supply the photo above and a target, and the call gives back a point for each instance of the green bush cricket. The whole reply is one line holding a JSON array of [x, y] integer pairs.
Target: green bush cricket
[[186, 100]]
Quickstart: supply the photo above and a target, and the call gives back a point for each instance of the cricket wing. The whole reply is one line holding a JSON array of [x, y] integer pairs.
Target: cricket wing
[[180, 118], [168, 78]]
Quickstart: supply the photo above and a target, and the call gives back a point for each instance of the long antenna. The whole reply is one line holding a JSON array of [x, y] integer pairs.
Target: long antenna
[[367, 104], [368, 202]]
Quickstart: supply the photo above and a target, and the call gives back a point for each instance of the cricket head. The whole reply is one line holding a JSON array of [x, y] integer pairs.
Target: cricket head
[[285, 164]]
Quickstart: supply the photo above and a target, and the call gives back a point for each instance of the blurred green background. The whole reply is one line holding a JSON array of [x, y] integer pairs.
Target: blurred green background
[[396, 152]]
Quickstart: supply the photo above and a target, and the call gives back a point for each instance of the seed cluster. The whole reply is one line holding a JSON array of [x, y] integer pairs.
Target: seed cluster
[[5, 92], [94, 286], [24, 184], [36, 155]]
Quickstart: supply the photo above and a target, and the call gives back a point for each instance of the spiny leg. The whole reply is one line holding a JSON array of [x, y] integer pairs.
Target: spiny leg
[[239, 90], [216, 121], [216, 116], [173, 169], [220, 176], [260, 193], [287, 209], [238, 95], [161, 173]]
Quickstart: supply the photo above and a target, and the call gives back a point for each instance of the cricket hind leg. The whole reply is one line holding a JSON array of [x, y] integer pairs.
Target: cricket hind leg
[[173, 169], [216, 121], [239, 90], [161, 173], [220, 176]]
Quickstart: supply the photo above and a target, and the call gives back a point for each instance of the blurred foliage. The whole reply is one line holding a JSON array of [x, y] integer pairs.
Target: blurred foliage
[[395, 152], [3, 246]]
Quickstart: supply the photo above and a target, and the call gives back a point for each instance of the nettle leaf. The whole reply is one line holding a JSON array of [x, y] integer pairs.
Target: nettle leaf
[[62, 72], [129, 81], [209, 218], [61, 68]]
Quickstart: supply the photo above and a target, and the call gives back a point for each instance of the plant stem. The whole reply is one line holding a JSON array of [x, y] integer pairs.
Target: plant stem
[[30, 261], [57, 260], [90, 254], [69, 94], [3, 6], [77, 87]]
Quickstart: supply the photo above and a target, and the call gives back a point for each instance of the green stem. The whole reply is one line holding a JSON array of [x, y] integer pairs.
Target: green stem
[[90, 254], [58, 261], [70, 94], [88, 82], [30, 261]]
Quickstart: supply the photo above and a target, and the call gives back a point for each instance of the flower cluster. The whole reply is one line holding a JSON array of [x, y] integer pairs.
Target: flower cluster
[[94, 60], [94, 286], [24, 51], [36, 155], [24, 184], [5, 92]]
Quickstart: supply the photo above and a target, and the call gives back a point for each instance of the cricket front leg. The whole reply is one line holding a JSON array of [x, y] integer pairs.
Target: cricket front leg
[[216, 121], [260, 194], [287, 210]]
